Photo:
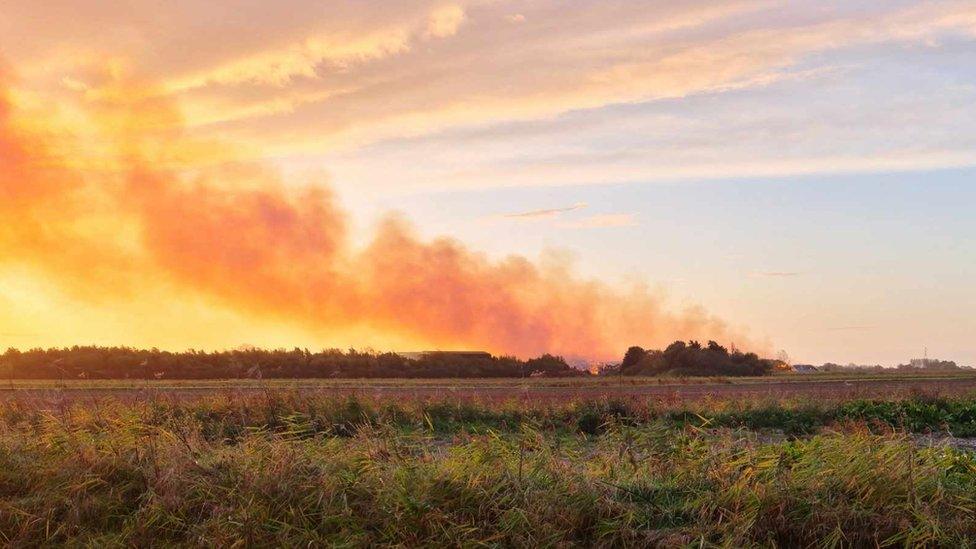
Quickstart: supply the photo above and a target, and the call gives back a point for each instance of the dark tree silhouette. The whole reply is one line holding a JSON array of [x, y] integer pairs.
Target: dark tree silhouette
[[128, 363], [691, 359], [632, 357]]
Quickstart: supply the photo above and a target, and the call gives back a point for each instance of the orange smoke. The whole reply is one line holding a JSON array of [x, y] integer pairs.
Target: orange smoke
[[235, 232]]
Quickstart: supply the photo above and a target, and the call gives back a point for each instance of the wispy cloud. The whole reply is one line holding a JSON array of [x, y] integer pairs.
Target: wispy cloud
[[327, 84], [776, 274], [603, 221], [548, 213]]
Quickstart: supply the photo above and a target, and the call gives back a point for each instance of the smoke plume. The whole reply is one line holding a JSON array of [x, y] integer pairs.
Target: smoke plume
[[152, 204]]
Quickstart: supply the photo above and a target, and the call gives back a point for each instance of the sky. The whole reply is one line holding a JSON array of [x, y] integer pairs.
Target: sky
[[523, 177]]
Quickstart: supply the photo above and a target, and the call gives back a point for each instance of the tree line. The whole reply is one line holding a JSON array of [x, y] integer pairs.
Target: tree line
[[916, 365], [91, 362], [128, 363]]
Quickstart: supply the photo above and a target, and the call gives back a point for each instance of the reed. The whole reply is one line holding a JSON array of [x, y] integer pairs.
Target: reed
[[302, 469]]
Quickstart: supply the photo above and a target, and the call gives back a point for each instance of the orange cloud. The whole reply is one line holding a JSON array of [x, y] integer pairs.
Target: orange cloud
[[53, 215], [239, 235]]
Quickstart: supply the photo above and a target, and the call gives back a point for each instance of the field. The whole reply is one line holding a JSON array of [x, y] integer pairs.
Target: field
[[821, 385], [812, 461]]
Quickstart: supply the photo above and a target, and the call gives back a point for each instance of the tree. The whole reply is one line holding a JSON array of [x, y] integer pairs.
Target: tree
[[692, 359], [716, 348], [632, 357]]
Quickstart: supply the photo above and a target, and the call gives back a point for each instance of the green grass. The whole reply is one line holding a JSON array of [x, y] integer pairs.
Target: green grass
[[299, 469]]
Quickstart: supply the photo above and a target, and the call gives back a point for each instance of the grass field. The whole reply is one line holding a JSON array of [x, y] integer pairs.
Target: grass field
[[592, 381], [818, 386], [273, 465]]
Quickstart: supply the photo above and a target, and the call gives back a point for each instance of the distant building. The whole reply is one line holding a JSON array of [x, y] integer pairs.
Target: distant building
[[464, 355], [805, 368], [932, 364]]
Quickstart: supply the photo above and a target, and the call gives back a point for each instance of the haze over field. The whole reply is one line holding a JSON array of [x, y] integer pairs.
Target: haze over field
[[515, 177]]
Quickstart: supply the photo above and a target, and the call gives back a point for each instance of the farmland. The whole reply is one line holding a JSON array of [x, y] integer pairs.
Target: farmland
[[823, 385], [819, 460]]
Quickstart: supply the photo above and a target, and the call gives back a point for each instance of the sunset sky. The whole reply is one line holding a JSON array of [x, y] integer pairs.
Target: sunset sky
[[782, 175]]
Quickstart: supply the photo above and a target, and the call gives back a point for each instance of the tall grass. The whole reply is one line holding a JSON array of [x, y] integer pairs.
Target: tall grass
[[296, 469]]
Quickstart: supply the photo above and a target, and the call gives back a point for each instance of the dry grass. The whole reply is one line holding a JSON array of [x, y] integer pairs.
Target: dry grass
[[300, 469]]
